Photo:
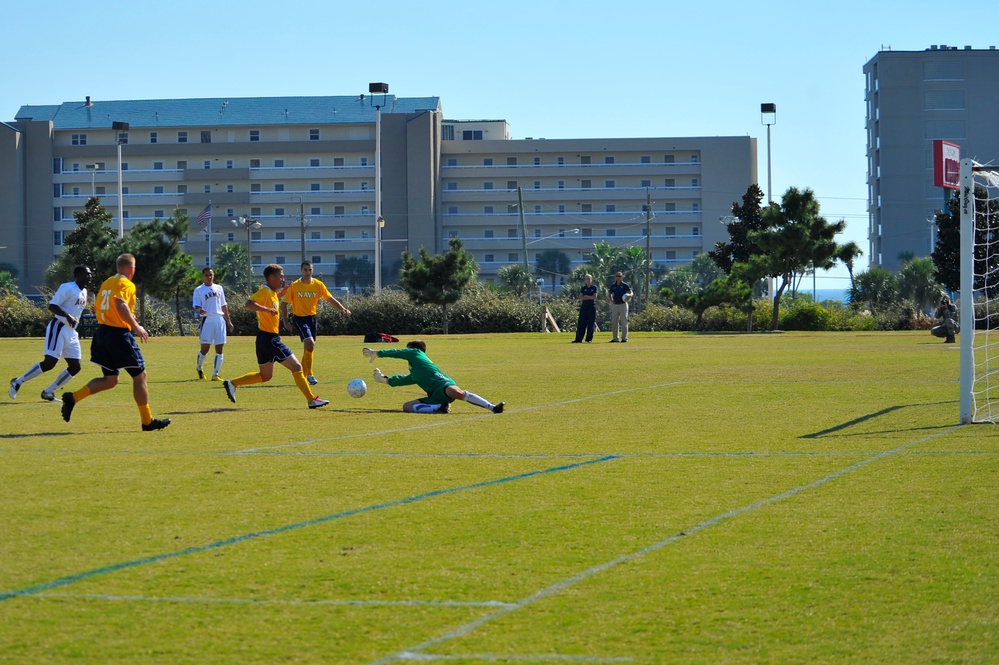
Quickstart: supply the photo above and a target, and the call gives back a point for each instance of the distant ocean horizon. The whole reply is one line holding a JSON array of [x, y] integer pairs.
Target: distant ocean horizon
[[828, 294]]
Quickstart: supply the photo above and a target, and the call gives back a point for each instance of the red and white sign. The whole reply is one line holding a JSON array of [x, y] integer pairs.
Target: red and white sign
[[946, 164]]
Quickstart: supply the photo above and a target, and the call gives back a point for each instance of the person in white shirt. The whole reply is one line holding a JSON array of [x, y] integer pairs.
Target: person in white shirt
[[61, 338], [209, 303]]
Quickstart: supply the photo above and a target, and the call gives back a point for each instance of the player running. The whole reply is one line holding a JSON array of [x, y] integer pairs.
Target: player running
[[304, 295], [209, 303], [270, 348], [440, 388], [114, 347], [61, 338]]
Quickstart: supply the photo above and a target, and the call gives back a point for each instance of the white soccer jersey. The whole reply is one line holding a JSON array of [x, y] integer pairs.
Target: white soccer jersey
[[71, 299], [210, 298]]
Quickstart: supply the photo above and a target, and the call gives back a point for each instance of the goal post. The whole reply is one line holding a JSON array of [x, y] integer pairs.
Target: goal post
[[979, 316], [967, 203]]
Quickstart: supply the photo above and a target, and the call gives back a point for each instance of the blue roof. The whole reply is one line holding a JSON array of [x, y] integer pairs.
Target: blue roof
[[225, 111]]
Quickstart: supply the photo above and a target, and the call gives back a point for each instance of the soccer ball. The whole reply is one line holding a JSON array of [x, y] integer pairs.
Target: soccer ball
[[626, 297], [357, 388]]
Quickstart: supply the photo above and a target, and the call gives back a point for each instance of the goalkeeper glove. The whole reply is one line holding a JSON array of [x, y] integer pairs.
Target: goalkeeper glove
[[379, 377], [371, 354]]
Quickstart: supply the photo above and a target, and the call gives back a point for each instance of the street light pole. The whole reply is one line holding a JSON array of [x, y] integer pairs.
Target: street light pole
[[119, 127], [248, 224], [768, 116], [382, 89]]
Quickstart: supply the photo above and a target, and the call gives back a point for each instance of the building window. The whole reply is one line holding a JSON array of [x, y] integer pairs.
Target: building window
[[279, 235], [338, 161], [513, 257], [646, 183], [447, 132], [471, 135], [695, 231], [694, 182], [207, 164], [694, 159], [609, 184], [339, 211], [364, 186], [488, 210], [670, 255], [254, 135], [206, 136], [337, 186], [645, 159], [511, 184], [158, 214], [585, 184], [181, 137], [669, 207], [511, 161], [561, 208], [313, 186], [488, 233], [157, 189], [487, 161], [254, 186], [488, 258], [610, 233], [364, 161], [669, 159], [154, 137], [278, 187], [586, 207], [608, 160], [451, 186], [339, 234], [313, 162], [123, 138], [57, 165], [230, 188], [56, 190], [452, 210], [487, 185], [537, 184], [610, 208], [182, 189], [669, 182], [452, 162], [124, 166], [561, 184], [560, 161], [537, 210], [512, 233], [279, 163], [586, 233], [254, 163], [279, 212], [79, 139], [56, 214], [315, 211], [452, 233], [157, 166], [695, 207], [279, 259], [208, 189], [313, 134], [584, 159]]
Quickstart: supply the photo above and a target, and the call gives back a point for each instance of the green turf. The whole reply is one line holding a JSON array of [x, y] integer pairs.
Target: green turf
[[790, 498]]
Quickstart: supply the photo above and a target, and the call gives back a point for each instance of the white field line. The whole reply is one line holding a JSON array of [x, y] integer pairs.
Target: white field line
[[270, 601], [414, 652], [443, 421]]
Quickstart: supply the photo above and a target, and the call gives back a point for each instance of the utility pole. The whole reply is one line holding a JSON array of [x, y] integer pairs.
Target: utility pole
[[648, 245], [301, 219]]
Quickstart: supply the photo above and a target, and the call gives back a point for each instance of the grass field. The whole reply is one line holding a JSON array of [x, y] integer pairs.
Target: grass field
[[791, 498]]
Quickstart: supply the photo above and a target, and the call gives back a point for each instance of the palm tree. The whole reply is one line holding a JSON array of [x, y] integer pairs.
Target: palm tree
[[848, 253], [552, 263], [917, 283], [516, 277], [355, 270]]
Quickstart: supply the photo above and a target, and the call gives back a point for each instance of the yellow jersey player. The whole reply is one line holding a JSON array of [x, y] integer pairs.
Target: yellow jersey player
[[270, 348], [304, 295], [114, 347]]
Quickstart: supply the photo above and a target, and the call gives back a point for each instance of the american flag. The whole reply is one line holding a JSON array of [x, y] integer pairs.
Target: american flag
[[205, 215]]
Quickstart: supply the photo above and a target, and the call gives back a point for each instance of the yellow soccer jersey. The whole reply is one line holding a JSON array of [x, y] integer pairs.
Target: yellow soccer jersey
[[304, 298], [115, 287], [267, 297]]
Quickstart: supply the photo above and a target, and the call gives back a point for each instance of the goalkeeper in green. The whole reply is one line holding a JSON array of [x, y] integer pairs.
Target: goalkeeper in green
[[440, 388]]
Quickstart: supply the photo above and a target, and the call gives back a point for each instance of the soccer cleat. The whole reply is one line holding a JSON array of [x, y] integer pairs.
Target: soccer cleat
[[48, 397], [155, 424], [499, 407], [14, 385], [68, 402], [443, 408], [313, 381], [379, 377], [216, 377], [230, 390], [316, 402], [201, 375]]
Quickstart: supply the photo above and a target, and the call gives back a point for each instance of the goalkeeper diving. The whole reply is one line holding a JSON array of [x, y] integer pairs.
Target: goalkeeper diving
[[440, 388]]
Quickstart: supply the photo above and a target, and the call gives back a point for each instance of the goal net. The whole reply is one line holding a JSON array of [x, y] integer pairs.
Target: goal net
[[979, 313]]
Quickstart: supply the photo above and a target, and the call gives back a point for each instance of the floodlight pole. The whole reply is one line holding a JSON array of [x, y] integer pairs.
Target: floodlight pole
[[382, 89], [768, 116], [119, 127]]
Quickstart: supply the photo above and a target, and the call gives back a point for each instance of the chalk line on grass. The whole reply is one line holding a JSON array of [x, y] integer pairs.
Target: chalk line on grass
[[72, 579], [197, 600], [416, 651]]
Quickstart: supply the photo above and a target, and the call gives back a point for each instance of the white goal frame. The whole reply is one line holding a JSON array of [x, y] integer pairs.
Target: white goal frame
[[969, 167]]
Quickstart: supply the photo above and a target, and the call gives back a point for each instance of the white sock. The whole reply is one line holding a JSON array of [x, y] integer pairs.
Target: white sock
[[472, 398], [425, 408], [218, 364], [61, 380], [33, 371], [201, 361]]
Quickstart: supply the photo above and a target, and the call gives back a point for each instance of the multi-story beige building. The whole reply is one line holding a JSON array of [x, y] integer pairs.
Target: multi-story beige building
[[304, 168]]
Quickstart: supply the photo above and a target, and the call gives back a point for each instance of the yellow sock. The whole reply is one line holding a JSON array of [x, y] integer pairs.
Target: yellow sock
[[81, 394], [303, 385], [146, 414], [307, 362], [248, 379]]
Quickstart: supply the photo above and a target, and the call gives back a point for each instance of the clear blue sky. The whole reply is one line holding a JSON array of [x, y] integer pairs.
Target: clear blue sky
[[551, 68]]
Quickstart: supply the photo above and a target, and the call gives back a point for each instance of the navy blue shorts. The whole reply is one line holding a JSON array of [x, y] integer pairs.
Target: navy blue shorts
[[114, 349], [306, 327], [270, 348]]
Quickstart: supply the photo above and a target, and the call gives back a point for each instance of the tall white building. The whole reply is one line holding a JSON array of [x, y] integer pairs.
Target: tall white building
[[304, 167], [914, 97]]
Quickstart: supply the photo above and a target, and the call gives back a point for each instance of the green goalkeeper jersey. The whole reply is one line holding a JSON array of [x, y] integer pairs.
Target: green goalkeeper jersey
[[422, 371]]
